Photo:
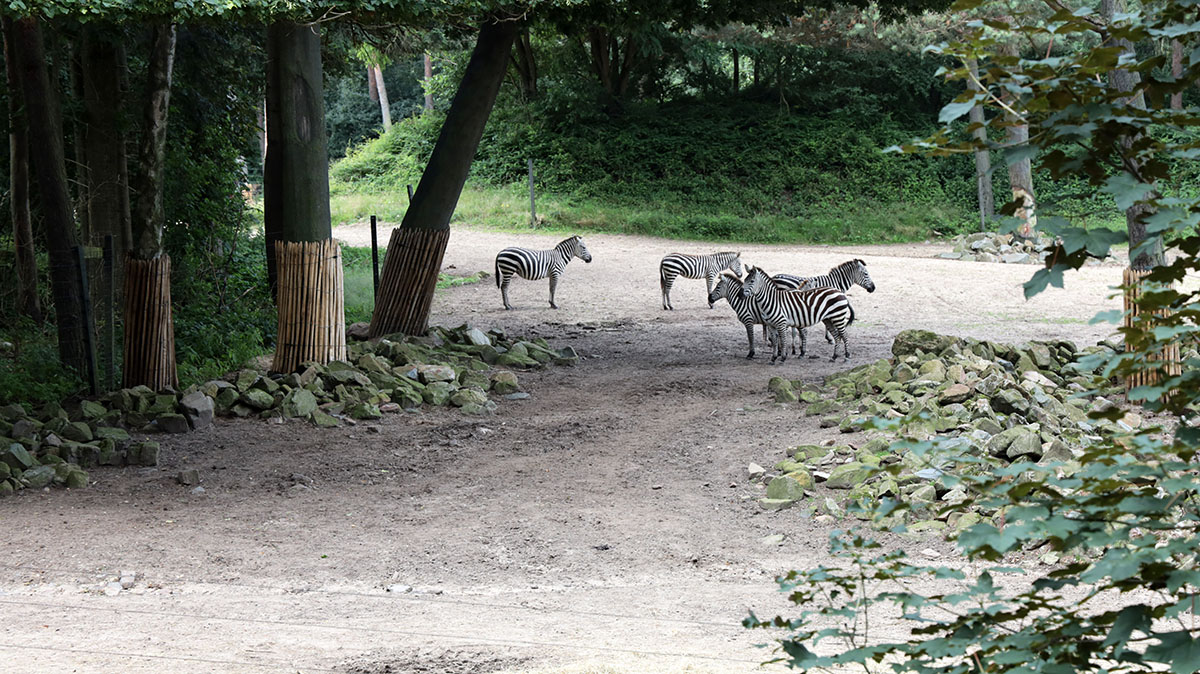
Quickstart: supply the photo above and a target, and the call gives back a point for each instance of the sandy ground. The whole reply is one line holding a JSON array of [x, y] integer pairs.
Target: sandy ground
[[604, 525]]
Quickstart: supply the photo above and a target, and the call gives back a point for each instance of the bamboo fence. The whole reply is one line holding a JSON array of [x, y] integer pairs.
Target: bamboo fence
[[1173, 364], [410, 272], [149, 351], [312, 318]]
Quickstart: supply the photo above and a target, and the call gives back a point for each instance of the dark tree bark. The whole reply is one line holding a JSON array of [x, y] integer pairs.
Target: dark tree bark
[[408, 279], [49, 168], [372, 87], [983, 160], [18, 185], [150, 330], [1124, 81], [737, 71], [612, 61], [523, 62], [295, 174], [103, 65], [79, 147]]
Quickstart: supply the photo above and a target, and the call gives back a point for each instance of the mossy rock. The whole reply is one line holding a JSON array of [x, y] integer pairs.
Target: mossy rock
[[849, 475], [790, 486]]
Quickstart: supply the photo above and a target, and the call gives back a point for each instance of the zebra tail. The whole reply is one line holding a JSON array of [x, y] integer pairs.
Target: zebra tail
[[851, 321], [497, 271]]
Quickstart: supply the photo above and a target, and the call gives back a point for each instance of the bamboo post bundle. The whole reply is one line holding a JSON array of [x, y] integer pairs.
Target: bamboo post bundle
[[311, 300], [406, 289], [1173, 363], [149, 353]]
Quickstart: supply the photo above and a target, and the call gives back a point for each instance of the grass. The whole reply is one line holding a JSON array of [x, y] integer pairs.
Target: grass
[[507, 208], [359, 284]]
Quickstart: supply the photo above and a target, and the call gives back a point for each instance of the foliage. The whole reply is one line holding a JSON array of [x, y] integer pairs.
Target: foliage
[[359, 284], [30, 371], [351, 117], [1122, 516]]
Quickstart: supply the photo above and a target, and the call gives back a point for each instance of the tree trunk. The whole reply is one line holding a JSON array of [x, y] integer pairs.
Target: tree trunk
[[525, 65], [49, 166], [983, 160], [372, 87], [105, 149], [1125, 81], [1020, 174], [306, 261], [428, 62], [601, 63], [149, 328], [18, 182], [1176, 72], [407, 284], [384, 105], [79, 147], [737, 71]]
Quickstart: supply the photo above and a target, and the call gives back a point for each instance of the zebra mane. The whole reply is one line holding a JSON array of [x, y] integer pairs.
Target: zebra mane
[[847, 266], [568, 244]]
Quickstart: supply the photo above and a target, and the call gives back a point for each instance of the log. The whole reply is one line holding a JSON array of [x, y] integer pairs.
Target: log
[[149, 353], [311, 301], [406, 289], [1172, 364]]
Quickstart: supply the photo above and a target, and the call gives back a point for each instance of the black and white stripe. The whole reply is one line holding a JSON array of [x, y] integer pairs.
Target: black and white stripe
[[695, 266], [538, 264], [843, 277], [729, 287], [779, 308]]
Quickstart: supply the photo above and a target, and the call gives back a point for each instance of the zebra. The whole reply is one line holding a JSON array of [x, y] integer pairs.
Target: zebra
[[538, 264], [843, 277], [780, 308], [730, 287], [695, 266]]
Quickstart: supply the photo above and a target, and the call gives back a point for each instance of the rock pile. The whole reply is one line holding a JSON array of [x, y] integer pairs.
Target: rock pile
[[460, 367], [992, 247], [989, 401]]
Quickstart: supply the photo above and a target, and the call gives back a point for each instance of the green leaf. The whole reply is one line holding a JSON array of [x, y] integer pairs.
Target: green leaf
[[952, 111], [1042, 278], [1180, 650], [1126, 189], [1114, 316]]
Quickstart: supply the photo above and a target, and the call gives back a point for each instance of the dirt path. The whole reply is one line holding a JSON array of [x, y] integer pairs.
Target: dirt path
[[604, 525]]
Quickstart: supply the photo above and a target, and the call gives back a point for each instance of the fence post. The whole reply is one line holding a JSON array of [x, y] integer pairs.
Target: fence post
[[409, 193], [88, 323], [374, 258], [110, 328]]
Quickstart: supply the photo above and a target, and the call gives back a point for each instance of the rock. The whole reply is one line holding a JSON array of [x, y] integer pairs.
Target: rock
[[358, 332], [950, 256], [257, 399], [933, 370], [790, 486], [12, 413], [144, 454], [848, 475], [477, 337], [25, 428], [77, 431], [37, 477], [437, 393], [6, 488], [909, 342], [754, 471], [1015, 258], [298, 403], [364, 411], [516, 396], [323, 420], [478, 409], [188, 477], [77, 479], [504, 382], [775, 503], [463, 397], [429, 373], [118, 435], [172, 423], [17, 457], [1010, 401], [369, 362], [91, 409], [956, 393]]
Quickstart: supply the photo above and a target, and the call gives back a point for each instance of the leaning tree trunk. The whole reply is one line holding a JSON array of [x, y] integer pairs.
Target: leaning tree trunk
[[416, 248], [49, 167], [296, 191], [385, 108], [18, 186], [427, 62], [983, 160], [149, 328]]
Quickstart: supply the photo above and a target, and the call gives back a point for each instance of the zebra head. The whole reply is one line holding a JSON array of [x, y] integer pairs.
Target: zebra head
[[861, 277], [735, 265], [727, 286], [576, 248], [756, 278]]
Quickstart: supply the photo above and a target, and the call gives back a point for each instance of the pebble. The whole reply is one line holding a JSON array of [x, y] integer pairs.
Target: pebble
[[774, 539], [127, 582], [112, 589], [198, 490], [931, 553], [399, 589], [520, 395]]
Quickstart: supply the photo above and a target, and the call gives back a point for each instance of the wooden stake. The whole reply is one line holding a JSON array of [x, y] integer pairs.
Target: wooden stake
[[149, 353], [1170, 354], [312, 320]]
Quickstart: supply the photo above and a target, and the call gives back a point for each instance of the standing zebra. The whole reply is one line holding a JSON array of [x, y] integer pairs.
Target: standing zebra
[[780, 308], [538, 264], [842, 277], [730, 288], [695, 266]]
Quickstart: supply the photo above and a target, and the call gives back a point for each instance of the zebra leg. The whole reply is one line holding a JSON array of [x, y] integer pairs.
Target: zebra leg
[[779, 333], [506, 277], [666, 293], [750, 337], [829, 339], [709, 280], [803, 341], [799, 333], [553, 285]]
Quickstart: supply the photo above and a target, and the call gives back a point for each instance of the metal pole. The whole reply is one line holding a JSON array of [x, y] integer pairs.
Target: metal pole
[[532, 203], [88, 338], [110, 325], [374, 257], [410, 194]]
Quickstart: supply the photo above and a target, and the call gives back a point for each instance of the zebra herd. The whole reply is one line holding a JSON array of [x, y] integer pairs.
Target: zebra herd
[[783, 304]]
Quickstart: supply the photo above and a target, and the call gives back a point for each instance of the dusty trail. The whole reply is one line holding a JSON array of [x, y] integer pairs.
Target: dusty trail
[[605, 520]]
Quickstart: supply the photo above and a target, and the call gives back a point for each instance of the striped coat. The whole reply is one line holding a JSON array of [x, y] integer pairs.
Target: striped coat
[[781, 308], [695, 266], [538, 264]]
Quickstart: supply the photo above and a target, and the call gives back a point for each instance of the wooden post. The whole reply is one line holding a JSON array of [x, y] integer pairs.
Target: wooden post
[[1170, 355], [374, 258], [312, 316], [410, 193], [532, 202], [149, 327], [109, 340], [89, 340]]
